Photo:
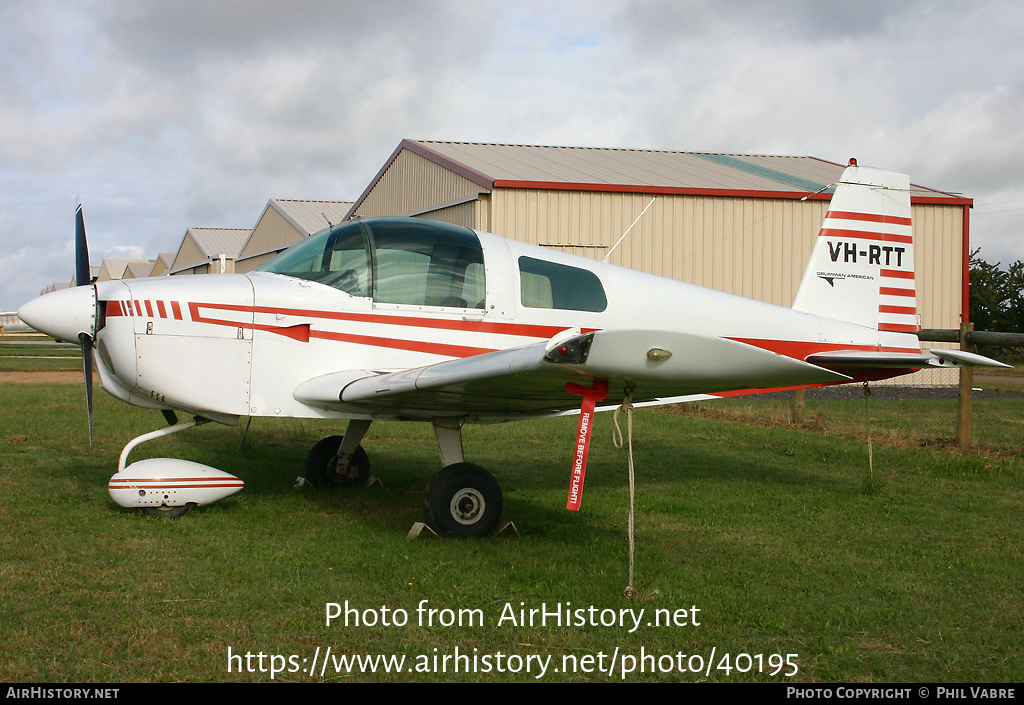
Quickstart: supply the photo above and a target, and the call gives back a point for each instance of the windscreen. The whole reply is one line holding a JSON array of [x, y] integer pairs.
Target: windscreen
[[393, 260]]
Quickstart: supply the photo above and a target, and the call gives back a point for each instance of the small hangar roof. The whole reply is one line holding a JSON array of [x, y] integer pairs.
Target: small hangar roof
[[202, 245], [311, 216], [137, 269], [117, 267], [163, 262], [285, 221], [218, 241], [637, 170]]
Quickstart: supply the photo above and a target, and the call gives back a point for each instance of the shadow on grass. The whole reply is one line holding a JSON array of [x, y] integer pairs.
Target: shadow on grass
[[678, 460]]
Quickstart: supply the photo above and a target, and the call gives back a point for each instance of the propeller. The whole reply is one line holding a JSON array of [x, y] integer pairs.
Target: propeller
[[84, 278]]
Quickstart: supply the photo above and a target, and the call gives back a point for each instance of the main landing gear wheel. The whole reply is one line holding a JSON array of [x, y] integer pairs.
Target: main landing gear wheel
[[463, 500], [323, 469]]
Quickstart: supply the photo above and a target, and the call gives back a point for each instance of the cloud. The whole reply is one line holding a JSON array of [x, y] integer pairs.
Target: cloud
[[169, 115]]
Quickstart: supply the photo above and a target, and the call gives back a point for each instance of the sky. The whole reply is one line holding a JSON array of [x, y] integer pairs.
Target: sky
[[163, 115]]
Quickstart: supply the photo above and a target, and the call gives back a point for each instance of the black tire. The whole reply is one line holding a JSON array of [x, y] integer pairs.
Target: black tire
[[321, 469], [168, 512], [463, 500]]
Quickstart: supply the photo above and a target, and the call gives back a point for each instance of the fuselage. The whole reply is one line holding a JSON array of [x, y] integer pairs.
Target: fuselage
[[235, 345]]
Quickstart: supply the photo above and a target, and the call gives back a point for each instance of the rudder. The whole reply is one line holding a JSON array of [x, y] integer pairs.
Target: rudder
[[862, 266]]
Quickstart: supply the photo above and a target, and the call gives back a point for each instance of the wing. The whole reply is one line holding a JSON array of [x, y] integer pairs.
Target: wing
[[531, 380]]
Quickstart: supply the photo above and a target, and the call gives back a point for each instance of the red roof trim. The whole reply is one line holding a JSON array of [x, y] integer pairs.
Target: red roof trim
[[664, 190], [941, 201], [681, 191]]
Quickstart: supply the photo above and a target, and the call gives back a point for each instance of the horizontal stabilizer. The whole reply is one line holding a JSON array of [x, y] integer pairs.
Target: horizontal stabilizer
[[869, 359], [959, 358]]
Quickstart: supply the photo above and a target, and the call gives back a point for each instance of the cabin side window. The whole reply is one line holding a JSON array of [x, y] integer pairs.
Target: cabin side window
[[546, 284]]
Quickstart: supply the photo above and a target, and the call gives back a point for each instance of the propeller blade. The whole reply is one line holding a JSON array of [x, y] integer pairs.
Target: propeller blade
[[86, 342], [82, 275]]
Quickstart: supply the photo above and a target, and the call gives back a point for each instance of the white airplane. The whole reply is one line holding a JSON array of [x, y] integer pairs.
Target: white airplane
[[401, 318]]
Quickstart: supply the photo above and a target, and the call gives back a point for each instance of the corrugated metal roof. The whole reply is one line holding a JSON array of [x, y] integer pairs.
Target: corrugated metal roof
[[115, 266], [139, 268], [219, 241], [503, 162], [163, 262], [312, 216], [660, 169], [56, 286]]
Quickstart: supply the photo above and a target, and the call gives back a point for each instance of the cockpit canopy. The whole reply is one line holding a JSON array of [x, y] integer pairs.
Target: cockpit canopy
[[392, 260]]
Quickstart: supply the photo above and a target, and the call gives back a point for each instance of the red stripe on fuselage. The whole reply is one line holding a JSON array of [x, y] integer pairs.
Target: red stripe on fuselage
[[131, 484], [303, 332], [519, 329], [857, 376], [412, 345], [299, 332], [801, 350]]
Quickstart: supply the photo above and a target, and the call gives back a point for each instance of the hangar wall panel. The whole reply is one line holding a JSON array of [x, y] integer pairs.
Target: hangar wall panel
[[198, 269], [743, 246], [248, 264], [411, 183], [754, 247], [938, 242], [273, 232], [464, 214], [188, 254]]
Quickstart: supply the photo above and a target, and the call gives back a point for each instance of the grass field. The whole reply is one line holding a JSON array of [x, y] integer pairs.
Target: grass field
[[793, 561]]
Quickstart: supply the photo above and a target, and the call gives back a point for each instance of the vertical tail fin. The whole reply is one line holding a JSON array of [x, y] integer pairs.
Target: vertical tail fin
[[862, 266]]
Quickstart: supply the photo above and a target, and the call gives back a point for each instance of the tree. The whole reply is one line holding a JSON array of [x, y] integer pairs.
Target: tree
[[997, 295]]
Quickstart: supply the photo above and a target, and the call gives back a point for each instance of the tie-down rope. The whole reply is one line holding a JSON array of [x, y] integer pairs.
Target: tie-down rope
[[867, 425], [627, 406]]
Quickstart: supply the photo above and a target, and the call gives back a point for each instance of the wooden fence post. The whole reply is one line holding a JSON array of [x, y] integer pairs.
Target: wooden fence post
[[963, 410]]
